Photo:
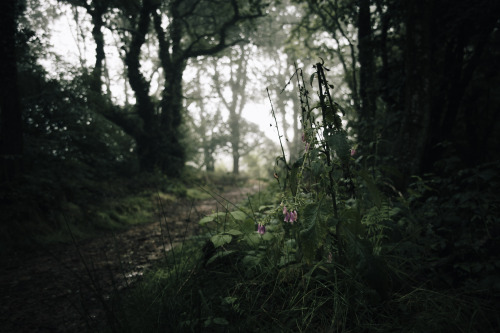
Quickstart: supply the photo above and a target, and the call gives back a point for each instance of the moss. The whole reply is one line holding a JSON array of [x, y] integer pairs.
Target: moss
[[197, 194]]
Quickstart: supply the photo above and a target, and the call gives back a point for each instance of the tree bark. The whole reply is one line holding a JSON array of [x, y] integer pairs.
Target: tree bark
[[11, 138], [98, 23], [366, 78], [173, 64], [415, 126], [145, 138]]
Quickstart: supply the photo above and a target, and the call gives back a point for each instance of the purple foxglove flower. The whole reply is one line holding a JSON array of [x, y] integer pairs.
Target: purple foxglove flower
[[284, 210], [294, 216], [287, 217], [261, 229], [353, 152]]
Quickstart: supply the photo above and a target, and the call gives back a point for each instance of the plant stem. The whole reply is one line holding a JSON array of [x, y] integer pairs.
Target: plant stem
[[321, 81], [277, 128]]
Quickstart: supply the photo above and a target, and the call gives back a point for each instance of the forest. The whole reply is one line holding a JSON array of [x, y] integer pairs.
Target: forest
[[250, 166]]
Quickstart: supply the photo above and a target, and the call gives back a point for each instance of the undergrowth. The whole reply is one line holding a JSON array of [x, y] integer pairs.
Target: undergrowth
[[333, 247], [47, 207]]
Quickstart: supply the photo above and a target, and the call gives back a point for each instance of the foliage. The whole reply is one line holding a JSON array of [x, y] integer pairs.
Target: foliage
[[331, 246], [80, 171], [353, 236], [412, 73]]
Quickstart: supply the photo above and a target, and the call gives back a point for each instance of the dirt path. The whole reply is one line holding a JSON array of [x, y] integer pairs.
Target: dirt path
[[66, 288]]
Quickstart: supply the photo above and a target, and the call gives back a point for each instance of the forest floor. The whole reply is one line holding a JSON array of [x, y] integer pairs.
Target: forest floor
[[67, 288]]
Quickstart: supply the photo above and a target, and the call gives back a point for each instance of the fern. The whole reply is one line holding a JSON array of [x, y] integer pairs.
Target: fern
[[313, 235], [375, 220]]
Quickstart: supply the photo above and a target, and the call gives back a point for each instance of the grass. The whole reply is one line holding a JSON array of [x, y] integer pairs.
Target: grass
[[197, 194], [39, 211], [39, 208], [231, 288], [243, 286], [89, 220]]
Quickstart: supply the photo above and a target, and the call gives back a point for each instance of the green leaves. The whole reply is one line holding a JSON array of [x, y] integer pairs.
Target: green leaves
[[225, 237], [372, 188], [311, 79], [221, 239], [294, 175], [211, 218], [238, 215], [234, 232], [233, 224], [332, 117], [223, 216], [337, 140], [313, 235]]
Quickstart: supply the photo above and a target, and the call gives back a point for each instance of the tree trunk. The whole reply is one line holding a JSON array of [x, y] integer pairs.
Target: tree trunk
[[96, 15], [11, 138], [147, 136], [234, 124], [208, 156], [173, 154], [414, 131], [236, 163], [366, 78]]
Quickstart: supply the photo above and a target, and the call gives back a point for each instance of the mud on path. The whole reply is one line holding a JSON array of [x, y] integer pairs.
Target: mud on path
[[66, 288]]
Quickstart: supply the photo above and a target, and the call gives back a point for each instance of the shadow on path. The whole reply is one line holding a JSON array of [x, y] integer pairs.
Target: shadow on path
[[65, 288]]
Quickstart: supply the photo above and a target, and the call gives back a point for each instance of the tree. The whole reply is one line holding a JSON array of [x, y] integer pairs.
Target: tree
[[411, 69], [366, 112], [236, 85], [11, 135], [184, 29], [234, 91], [206, 120], [96, 9], [450, 40], [281, 49], [338, 19], [282, 84]]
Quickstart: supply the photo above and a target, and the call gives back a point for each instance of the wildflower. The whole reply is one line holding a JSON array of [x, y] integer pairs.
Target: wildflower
[[284, 210], [261, 229], [303, 137], [330, 258], [353, 152], [290, 216], [307, 146]]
